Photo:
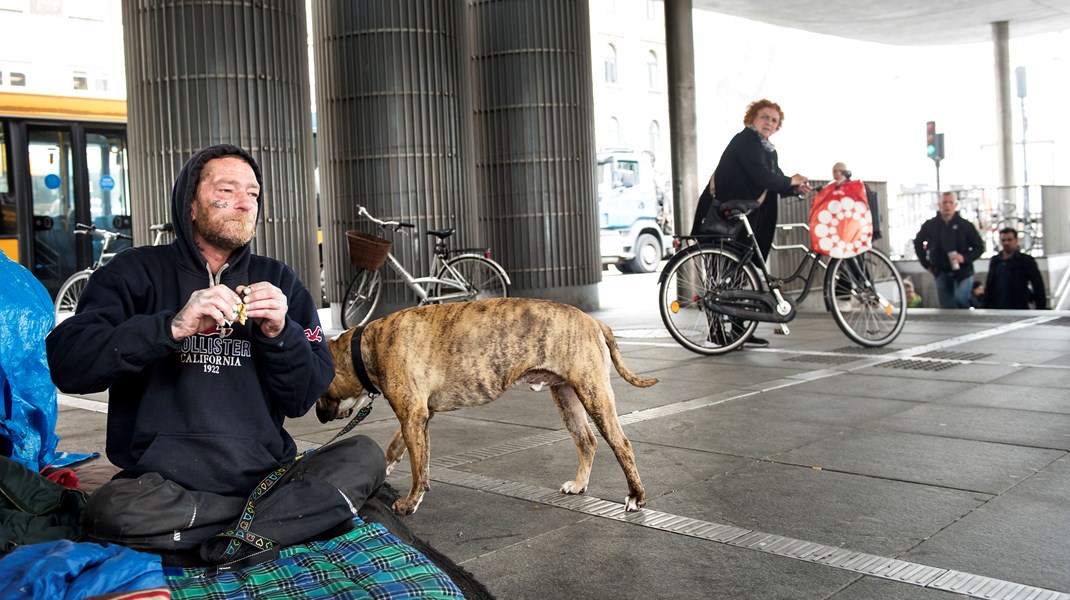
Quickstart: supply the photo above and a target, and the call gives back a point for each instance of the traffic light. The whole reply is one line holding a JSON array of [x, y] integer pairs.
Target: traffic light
[[939, 154], [930, 139]]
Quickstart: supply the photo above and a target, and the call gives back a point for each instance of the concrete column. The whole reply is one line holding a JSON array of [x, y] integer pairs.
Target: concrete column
[[683, 127], [535, 148], [394, 131], [203, 72], [1001, 43]]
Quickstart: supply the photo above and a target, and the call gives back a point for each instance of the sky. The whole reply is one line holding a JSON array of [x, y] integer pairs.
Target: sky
[[866, 104]]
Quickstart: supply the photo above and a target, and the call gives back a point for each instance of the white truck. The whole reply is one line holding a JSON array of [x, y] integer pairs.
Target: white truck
[[634, 213]]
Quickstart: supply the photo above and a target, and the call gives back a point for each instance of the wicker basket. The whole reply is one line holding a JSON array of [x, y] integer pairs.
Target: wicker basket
[[367, 251]]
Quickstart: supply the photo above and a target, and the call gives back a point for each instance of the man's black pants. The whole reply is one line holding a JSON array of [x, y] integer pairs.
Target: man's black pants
[[318, 493]]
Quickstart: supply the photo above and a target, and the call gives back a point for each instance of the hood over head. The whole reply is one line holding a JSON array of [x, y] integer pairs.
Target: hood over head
[[183, 192]]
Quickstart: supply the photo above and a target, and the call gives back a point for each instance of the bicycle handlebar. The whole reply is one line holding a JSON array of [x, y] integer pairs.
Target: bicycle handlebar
[[395, 225], [83, 228]]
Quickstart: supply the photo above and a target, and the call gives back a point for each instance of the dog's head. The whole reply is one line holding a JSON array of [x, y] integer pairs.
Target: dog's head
[[345, 391]]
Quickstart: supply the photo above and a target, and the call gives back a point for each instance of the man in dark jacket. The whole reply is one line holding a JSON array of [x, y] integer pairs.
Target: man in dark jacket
[[197, 393], [1014, 280], [946, 246]]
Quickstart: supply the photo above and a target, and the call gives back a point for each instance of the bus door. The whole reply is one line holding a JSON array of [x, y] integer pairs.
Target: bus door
[[76, 176]]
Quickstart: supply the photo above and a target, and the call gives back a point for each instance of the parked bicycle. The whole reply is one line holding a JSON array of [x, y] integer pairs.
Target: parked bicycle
[[715, 291], [71, 290], [460, 274]]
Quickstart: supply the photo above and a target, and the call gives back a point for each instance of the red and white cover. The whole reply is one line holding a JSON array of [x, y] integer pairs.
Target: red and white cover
[[841, 225]]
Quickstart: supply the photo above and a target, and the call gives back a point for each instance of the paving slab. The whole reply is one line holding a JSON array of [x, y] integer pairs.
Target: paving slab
[[939, 461], [1022, 535], [662, 469], [1015, 427], [734, 433], [860, 513], [597, 558]]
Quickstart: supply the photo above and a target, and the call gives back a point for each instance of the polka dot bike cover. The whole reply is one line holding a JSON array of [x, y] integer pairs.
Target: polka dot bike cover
[[841, 225]]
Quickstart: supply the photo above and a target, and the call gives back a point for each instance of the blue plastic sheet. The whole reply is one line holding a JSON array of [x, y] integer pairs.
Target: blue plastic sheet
[[28, 420], [67, 570]]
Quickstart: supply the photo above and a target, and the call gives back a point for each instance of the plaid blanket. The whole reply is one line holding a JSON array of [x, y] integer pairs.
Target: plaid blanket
[[368, 562]]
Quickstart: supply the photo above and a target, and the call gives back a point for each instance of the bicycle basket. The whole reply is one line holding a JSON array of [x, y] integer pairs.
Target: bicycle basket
[[367, 251]]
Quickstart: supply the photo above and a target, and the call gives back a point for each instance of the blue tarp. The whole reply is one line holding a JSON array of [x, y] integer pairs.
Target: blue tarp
[[65, 569], [28, 414]]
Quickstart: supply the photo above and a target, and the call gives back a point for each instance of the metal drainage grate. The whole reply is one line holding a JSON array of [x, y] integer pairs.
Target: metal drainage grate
[[865, 351], [917, 365], [951, 355], [827, 359]]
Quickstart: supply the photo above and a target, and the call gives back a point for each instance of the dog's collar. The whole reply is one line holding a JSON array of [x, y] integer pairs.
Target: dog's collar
[[358, 364]]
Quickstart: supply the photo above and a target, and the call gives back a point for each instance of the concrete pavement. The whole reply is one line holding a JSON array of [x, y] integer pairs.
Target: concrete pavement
[[813, 469]]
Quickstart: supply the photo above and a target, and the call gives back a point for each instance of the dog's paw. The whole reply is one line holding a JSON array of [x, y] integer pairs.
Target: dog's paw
[[404, 506], [631, 503], [572, 487]]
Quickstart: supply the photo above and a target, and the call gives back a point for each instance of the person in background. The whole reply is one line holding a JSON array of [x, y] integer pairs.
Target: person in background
[[840, 174], [913, 297], [1014, 280], [749, 169], [205, 350], [947, 245], [977, 295]]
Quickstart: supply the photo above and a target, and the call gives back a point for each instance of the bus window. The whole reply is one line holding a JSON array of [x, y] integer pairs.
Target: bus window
[[52, 191], [109, 203]]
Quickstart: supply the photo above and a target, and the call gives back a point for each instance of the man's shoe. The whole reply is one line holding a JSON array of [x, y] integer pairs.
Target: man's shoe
[[757, 342]]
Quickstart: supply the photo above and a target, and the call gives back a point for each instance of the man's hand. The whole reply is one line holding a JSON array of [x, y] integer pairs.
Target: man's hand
[[266, 305], [205, 309]]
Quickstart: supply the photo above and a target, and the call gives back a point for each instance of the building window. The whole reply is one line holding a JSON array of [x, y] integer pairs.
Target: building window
[[613, 133], [610, 62], [100, 84], [652, 70], [655, 138], [17, 79], [80, 81]]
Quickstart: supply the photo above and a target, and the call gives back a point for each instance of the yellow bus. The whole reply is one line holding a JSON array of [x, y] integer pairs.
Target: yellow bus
[[63, 160]]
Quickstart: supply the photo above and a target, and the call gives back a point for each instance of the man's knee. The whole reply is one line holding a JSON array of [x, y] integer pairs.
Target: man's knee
[[152, 513]]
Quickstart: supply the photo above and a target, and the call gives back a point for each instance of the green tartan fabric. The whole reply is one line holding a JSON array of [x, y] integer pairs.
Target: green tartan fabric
[[368, 562]]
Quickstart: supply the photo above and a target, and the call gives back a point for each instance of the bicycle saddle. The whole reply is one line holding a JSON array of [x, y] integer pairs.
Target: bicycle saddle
[[732, 208], [442, 233]]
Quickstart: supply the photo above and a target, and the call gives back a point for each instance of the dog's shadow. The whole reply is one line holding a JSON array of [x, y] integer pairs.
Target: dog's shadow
[[377, 510]]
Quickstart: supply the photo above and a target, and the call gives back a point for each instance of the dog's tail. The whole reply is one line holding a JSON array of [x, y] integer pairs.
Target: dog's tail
[[618, 362]]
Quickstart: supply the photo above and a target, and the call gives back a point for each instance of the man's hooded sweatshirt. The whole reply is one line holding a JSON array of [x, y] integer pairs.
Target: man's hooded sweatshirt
[[206, 412]]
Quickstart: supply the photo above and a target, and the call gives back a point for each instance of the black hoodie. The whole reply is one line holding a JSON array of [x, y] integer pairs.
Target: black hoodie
[[206, 412]]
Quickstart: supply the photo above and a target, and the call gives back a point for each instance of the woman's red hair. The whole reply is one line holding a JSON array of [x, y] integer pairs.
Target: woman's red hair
[[757, 105]]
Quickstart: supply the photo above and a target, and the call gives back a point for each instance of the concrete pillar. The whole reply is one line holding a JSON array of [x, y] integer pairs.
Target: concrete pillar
[[535, 147], [683, 125], [1005, 145], [394, 131], [203, 72]]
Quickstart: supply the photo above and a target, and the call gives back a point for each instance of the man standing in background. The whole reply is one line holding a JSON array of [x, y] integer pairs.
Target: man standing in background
[[1014, 279], [946, 246]]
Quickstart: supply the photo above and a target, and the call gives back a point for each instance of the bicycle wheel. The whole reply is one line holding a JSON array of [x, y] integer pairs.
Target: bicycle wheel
[[701, 273], [867, 299], [361, 297], [69, 292], [477, 278]]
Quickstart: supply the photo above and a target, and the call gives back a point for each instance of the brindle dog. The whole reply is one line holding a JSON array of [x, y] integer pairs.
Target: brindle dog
[[436, 358]]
